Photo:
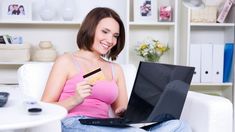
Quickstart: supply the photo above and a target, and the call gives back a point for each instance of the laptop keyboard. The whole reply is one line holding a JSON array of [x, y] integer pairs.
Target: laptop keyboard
[[104, 122]]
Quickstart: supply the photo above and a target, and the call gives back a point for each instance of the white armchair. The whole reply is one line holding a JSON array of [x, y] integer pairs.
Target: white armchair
[[204, 113]]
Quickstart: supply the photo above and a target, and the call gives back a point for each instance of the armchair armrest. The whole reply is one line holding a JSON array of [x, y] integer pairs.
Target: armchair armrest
[[207, 113]]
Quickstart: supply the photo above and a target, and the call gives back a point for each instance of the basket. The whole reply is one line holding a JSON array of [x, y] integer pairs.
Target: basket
[[205, 15], [14, 52]]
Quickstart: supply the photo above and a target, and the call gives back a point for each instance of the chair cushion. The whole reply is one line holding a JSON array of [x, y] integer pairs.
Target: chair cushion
[[32, 78], [129, 73]]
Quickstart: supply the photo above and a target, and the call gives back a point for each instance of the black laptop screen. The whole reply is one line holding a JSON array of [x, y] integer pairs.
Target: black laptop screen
[[150, 82]]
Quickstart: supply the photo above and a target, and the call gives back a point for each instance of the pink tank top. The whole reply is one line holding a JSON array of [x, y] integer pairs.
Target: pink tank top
[[104, 93]]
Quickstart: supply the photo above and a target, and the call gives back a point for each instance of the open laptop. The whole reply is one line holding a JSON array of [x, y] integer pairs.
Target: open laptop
[[158, 95]]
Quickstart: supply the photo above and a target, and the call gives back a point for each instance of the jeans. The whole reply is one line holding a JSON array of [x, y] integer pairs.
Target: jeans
[[72, 124]]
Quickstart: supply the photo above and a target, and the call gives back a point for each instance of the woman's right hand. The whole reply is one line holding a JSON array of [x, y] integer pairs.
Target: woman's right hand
[[83, 90]]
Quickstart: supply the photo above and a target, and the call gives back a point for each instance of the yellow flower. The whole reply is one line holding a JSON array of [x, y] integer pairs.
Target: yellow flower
[[143, 46]]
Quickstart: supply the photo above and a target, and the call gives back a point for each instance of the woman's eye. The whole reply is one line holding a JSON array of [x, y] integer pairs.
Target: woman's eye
[[104, 31], [116, 36]]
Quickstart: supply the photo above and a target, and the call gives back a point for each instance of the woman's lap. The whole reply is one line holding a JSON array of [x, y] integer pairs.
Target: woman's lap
[[72, 124], [171, 126]]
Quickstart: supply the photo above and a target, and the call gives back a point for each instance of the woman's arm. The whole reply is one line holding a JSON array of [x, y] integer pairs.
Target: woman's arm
[[120, 105], [56, 81]]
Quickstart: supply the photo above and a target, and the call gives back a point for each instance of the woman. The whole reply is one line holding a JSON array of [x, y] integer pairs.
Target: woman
[[10, 9], [101, 36], [21, 10]]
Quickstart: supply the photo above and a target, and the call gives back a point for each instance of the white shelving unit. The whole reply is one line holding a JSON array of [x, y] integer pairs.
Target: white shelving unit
[[204, 33], [62, 33], [41, 22]]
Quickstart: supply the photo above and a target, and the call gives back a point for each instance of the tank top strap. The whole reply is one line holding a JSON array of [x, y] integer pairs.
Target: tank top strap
[[75, 61], [113, 70]]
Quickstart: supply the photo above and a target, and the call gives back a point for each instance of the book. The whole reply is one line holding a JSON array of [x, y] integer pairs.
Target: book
[[5, 39], [2, 41], [228, 61], [224, 11]]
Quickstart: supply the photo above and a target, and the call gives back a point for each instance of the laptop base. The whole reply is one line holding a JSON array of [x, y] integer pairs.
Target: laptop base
[[114, 122]]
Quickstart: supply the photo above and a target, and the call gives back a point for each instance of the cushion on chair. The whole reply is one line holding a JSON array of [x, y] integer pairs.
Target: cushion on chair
[[32, 78], [207, 113], [129, 73]]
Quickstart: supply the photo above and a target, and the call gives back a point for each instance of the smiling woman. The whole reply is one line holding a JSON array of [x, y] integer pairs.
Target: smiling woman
[[101, 37]]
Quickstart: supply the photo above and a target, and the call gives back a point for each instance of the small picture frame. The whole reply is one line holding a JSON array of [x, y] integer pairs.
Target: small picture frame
[[165, 14], [17, 10], [145, 10]]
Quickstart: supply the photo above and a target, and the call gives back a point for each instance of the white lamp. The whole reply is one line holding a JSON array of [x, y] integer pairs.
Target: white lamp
[[194, 3]]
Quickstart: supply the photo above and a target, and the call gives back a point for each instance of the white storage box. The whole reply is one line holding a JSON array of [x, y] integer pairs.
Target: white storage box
[[14, 52]]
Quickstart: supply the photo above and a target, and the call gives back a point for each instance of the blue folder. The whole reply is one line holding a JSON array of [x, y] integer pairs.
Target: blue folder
[[228, 62]]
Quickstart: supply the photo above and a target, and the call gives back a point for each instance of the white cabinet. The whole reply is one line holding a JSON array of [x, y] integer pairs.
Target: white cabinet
[[201, 34]]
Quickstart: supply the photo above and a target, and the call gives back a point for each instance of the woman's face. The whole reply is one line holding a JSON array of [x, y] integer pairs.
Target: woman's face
[[21, 9], [11, 8], [106, 35]]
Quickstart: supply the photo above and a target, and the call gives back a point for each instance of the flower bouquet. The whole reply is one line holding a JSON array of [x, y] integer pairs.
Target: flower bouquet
[[151, 50]]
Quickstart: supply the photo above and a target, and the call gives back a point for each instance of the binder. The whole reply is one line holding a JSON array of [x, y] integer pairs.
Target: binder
[[224, 11], [228, 61], [206, 63], [195, 61], [217, 63]]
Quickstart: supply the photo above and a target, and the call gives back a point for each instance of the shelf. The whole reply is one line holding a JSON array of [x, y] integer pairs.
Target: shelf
[[213, 24], [41, 22], [211, 84], [151, 23], [12, 63], [20, 62]]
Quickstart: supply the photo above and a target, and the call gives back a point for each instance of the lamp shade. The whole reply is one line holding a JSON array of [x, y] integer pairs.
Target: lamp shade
[[194, 3]]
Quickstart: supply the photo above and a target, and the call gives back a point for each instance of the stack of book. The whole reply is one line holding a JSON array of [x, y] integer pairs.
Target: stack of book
[[7, 39]]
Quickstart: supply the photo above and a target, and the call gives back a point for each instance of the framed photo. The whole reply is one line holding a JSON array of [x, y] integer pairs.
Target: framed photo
[[145, 10], [165, 13], [16, 10]]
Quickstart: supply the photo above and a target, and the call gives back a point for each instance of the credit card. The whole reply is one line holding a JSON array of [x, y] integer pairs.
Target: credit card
[[91, 73], [94, 76]]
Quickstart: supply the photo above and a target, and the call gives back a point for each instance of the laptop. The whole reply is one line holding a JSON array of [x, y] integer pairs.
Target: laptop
[[158, 95]]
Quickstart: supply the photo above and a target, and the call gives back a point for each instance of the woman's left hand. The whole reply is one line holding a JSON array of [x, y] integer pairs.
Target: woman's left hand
[[120, 112]]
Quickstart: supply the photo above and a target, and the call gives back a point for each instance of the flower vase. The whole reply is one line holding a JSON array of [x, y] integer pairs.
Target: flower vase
[[152, 58], [68, 10], [47, 12]]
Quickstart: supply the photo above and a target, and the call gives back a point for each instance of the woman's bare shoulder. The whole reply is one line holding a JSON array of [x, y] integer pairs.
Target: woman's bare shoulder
[[64, 58], [63, 62]]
